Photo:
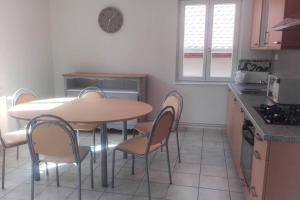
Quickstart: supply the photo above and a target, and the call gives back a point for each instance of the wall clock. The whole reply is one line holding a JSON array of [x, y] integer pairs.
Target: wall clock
[[110, 19]]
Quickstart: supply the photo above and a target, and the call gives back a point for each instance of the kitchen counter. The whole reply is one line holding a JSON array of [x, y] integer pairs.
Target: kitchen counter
[[281, 133]]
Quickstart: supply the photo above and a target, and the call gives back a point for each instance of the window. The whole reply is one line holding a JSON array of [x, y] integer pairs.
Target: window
[[208, 39]]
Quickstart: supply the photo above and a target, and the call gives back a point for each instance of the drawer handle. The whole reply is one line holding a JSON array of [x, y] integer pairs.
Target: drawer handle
[[258, 137], [253, 191], [257, 155]]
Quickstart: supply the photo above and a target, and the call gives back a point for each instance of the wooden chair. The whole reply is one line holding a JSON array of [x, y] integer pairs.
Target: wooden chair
[[22, 96], [10, 140], [51, 139], [174, 99], [15, 138], [89, 93], [142, 146]]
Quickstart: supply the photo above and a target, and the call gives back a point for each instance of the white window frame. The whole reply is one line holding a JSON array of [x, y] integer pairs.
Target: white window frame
[[207, 40]]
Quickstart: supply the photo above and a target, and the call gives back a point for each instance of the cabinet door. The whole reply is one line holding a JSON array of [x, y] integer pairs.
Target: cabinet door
[[229, 117], [238, 120], [275, 15], [256, 23], [259, 164]]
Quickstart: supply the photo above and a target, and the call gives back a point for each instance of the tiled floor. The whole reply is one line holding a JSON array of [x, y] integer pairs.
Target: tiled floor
[[206, 173]]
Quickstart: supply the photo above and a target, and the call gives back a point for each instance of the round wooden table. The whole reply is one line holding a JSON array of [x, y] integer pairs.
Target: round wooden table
[[75, 110]]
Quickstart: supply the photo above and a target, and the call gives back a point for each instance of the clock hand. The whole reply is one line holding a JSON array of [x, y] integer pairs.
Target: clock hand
[[109, 20]]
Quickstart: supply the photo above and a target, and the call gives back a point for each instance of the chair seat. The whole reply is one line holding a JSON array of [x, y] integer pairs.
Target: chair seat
[[84, 127], [144, 127], [14, 138], [137, 146], [83, 152]]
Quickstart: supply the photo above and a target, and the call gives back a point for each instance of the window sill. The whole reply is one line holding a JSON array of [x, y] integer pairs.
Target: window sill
[[213, 83]]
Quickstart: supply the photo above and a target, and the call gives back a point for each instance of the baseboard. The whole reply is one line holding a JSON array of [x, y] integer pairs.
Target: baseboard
[[184, 126]]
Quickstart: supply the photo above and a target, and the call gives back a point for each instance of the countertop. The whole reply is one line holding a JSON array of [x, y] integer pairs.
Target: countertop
[[281, 133], [104, 75]]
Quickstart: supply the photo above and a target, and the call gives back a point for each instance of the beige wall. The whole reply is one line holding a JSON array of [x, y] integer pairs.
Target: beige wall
[[25, 55], [145, 44]]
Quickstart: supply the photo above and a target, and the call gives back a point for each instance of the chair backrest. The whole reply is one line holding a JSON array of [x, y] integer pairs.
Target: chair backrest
[[51, 136], [23, 96], [162, 126], [91, 93], [175, 100]]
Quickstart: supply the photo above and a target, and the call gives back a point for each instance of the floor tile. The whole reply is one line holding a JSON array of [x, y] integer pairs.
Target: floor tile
[[237, 196], [235, 185], [206, 161], [52, 192], [112, 196], [187, 168], [181, 192], [85, 194], [209, 194], [158, 190], [213, 182], [184, 179], [212, 170]]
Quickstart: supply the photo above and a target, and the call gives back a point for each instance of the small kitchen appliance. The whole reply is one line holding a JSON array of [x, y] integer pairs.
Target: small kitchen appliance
[[284, 89]]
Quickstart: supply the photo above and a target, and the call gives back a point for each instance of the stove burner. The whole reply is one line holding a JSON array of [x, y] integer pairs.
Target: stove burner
[[280, 114]]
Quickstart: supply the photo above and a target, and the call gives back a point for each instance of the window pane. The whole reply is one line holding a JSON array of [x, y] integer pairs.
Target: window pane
[[194, 34], [222, 40]]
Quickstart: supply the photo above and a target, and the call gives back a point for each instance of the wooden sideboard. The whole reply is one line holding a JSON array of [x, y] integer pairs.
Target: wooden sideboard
[[115, 85]]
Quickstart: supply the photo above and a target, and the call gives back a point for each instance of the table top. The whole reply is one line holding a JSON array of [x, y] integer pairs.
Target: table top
[[83, 110]]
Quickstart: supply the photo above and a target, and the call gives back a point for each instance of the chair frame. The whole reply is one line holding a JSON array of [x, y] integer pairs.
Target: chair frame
[[4, 147], [164, 111], [51, 119], [100, 92], [177, 119], [91, 89], [17, 94]]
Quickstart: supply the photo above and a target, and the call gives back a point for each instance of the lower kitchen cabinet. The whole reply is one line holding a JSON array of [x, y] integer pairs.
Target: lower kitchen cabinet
[[275, 173], [235, 120], [259, 167]]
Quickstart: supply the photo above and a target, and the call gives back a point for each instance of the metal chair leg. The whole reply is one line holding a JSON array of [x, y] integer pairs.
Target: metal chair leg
[[132, 167], [94, 143], [77, 136], [92, 170], [47, 169], [169, 167], [178, 146], [79, 181], [3, 167], [57, 175], [147, 174], [113, 169], [32, 181], [17, 152]]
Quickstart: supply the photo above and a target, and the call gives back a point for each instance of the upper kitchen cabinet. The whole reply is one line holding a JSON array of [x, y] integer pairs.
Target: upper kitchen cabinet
[[266, 15]]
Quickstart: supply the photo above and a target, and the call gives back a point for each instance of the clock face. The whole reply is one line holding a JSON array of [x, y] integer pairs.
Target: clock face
[[110, 19]]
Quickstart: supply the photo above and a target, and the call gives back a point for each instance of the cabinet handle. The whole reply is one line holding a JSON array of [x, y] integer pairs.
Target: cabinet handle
[[253, 191], [277, 42], [258, 137], [257, 155]]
